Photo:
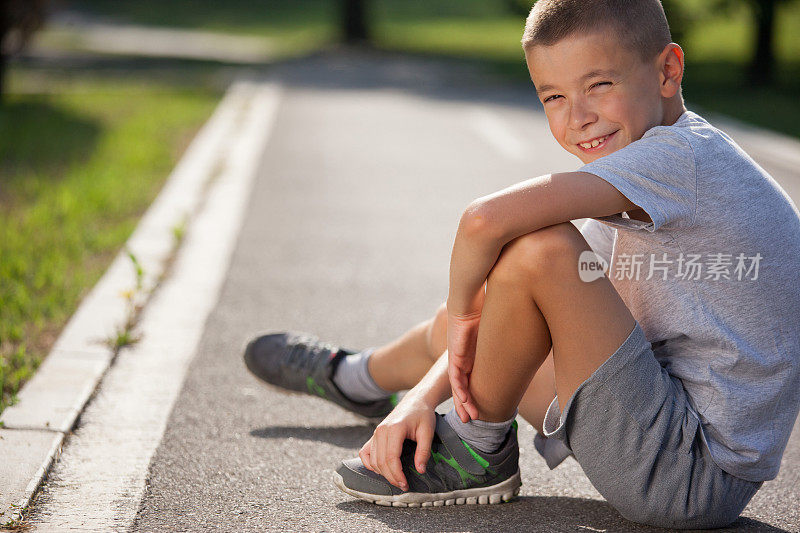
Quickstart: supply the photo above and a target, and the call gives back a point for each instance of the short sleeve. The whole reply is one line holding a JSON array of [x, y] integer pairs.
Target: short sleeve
[[657, 173]]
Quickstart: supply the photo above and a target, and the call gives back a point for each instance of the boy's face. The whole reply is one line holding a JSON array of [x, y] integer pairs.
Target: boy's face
[[593, 89]]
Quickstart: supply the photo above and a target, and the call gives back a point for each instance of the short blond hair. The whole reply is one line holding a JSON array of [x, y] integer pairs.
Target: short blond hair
[[640, 25]]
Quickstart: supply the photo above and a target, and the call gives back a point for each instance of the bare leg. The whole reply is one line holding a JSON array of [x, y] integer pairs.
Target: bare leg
[[400, 364], [539, 394], [535, 300]]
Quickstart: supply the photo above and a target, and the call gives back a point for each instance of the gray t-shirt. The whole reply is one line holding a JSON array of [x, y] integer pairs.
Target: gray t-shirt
[[712, 280]]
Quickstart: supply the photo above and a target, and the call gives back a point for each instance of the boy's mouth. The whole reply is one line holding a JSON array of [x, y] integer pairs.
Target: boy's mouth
[[595, 144]]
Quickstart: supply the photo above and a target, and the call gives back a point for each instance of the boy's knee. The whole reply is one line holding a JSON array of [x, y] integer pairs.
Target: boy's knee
[[441, 314], [541, 253]]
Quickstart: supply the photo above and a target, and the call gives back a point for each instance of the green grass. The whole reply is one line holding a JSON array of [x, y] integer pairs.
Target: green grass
[[729, 36], [241, 16], [78, 167]]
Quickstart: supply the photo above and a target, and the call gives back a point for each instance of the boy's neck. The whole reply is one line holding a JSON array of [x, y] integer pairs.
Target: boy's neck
[[673, 111]]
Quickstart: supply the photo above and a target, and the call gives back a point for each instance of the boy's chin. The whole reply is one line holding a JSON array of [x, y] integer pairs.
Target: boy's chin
[[587, 158]]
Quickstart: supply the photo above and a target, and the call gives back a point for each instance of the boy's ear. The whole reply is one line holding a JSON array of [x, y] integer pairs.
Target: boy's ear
[[670, 66]]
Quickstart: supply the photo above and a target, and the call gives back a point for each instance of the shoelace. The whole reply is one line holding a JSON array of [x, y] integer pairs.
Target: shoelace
[[303, 352]]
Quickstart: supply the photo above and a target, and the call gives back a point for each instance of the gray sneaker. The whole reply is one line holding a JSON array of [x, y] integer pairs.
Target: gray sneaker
[[455, 474], [300, 362]]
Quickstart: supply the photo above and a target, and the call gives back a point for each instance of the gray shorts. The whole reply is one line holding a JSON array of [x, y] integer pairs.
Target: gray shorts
[[632, 431]]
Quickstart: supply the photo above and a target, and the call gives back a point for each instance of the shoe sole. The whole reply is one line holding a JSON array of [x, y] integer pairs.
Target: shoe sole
[[500, 493]]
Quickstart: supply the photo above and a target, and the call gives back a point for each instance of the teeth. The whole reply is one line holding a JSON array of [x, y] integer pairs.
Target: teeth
[[594, 143]]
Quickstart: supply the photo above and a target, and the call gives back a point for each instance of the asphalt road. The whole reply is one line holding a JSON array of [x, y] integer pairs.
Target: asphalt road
[[348, 235]]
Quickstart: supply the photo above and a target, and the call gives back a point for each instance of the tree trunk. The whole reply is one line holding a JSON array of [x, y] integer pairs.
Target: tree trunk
[[3, 65], [354, 21], [762, 67], [4, 27]]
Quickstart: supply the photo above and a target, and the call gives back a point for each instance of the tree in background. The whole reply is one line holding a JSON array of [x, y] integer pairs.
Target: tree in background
[[355, 23], [762, 64], [761, 70], [19, 19]]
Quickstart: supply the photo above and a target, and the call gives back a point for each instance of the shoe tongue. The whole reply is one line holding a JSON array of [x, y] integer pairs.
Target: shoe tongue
[[336, 356], [457, 448]]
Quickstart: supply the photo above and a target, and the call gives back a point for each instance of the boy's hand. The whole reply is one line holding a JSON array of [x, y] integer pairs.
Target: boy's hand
[[462, 336], [413, 419]]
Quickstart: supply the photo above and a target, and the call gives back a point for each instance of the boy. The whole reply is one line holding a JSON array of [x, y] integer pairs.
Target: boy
[[673, 380]]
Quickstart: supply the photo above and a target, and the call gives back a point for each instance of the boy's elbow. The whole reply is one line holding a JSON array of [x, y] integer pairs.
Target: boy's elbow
[[478, 222]]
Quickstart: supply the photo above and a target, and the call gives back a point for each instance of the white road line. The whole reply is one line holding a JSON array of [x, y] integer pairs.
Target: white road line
[[99, 481], [491, 127]]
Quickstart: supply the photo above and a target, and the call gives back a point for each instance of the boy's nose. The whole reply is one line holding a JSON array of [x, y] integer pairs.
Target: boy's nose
[[580, 115]]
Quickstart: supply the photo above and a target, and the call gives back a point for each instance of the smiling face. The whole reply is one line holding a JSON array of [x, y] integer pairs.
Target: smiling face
[[600, 97]]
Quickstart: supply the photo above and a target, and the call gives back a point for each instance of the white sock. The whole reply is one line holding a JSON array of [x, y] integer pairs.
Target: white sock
[[484, 436], [353, 378]]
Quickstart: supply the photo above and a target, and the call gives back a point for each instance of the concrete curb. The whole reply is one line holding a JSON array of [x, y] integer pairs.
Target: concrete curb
[[106, 458], [51, 402]]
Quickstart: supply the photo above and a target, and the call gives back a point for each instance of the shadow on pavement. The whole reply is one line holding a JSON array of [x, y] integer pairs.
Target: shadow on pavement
[[342, 436], [528, 513]]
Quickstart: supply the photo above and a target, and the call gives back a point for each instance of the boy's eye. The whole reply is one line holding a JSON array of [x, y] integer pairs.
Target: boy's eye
[[550, 98]]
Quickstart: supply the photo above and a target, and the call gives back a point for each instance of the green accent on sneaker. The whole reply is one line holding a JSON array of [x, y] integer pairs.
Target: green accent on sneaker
[[452, 469], [393, 399], [313, 388], [481, 461], [457, 467]]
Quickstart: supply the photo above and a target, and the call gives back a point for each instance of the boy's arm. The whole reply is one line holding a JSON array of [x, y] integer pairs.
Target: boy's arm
[[488, 224]]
